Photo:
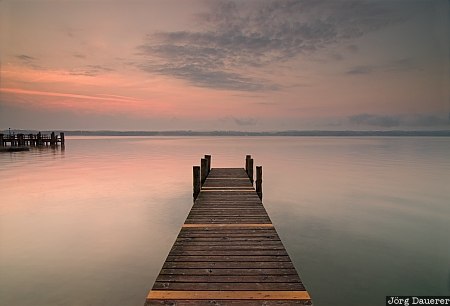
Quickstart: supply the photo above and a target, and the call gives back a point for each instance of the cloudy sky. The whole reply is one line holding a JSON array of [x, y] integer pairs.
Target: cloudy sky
[[224, 65]]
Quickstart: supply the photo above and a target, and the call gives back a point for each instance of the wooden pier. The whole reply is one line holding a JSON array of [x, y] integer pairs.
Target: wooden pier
[[33, 140], [228, 251]]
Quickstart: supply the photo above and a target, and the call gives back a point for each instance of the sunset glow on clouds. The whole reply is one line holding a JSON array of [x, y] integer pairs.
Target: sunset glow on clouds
[[224, 65]]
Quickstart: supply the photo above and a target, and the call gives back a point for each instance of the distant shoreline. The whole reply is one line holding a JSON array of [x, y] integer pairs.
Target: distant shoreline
[[435, 133]]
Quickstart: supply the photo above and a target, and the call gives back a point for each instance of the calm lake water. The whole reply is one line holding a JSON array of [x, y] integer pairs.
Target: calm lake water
[[361, 218]]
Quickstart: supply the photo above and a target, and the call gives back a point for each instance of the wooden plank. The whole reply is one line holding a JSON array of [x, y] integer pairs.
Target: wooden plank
[[229, 244], [234, 207], [229, 212], [228, 178], [180, 302], [228, 190], [229, 220], [225, 271], [229, 265], [237, 225], [238, 229], [226, 252], [221, 236], [235, 220], [228, 278], [230, 258], [208, 247], [227, 286], [229, 295], [230, 239], [227, 184], [227, 206], [228, 215]]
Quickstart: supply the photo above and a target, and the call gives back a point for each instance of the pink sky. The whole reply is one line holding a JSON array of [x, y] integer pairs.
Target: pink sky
[[224, 65]]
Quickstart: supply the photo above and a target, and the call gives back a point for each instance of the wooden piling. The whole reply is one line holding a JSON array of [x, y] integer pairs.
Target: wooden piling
[[52, 139], [208, 166], [39, 139], [250, 170], [61, 135], [31, 141], [1, 140], [247, 158], [196, 180], [20, 141], [204, 169], [259, 181]]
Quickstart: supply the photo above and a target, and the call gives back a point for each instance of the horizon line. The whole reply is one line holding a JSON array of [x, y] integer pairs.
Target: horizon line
[[79, 132]]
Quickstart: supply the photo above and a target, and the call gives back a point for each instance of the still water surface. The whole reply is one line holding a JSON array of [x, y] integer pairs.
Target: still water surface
[[362, 218]]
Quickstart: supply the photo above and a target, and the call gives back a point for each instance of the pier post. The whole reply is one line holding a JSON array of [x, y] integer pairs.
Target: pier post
[[20, 141], [52, 139], [1, 140], [259, 181], [196, 181], [204, 169], [61, 135], [247, 158], [39, 139], [208, 166], [250, 169]]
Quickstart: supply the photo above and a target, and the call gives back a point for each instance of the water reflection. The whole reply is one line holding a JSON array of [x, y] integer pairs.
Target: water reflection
[[91, 225]]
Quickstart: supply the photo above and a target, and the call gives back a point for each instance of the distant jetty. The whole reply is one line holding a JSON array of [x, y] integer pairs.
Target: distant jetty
[[22, 142]]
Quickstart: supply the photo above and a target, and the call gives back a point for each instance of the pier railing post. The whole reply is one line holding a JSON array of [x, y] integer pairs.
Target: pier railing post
[[52, 139], [20, 141], [204, 169], [196, 181], [208, 165], [259, 181], [250, 170], [39, 139], [247, 158]]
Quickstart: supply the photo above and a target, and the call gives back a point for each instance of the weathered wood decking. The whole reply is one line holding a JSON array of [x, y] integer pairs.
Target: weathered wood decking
[[228, 252]]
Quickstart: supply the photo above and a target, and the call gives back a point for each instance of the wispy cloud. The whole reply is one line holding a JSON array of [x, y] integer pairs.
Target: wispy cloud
[[390, 121], [366, 69], [87, 70], [29, 61], [90, 70], [69, 95], [242, 36], [25, 58], [399, 65], [245, 121], [431, 120], [375, 120]]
